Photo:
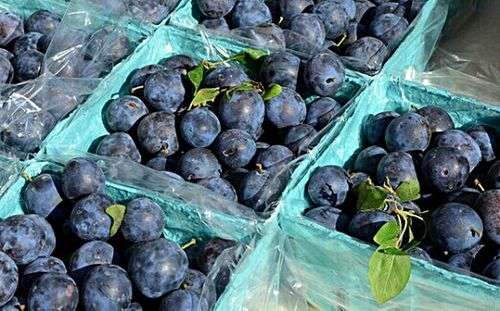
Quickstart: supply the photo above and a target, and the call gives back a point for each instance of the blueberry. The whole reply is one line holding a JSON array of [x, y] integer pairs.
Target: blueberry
[[11, 28], [330, 217], [235, 176], [487, 205], [217, 24], [157, 267], [164, 91], [245, 110], [225, 77], [299, 137], [210, 252], [365, 225], [334, 16], [455, 227], [248, 13], [310, 27], [9, 278], [281, 68], [194, 280], [486, 138], [493, 270], [106, 287], [234, 148], [28, 65], [328, 186], [89, 220], [270, 36], [28, 41], [419, 253], [143, 221], [493, 176], [409, 132], [122, 113], [285, 110], [6, 71], [199, 163], [43, 21], [42, 195], [324, 74], [26, 132], [397, 167], [445, 169], [81, 177], [184, 300], [257, 188], [368, 159], [90, 255], [368, 54], [290, 8], [221, 187], [389, 28], [215, 8], [119, 145], [376, 126], [108, 46], [461, 141], [321, 111], [151, 11], [157, 134], [439, 120], [53, 291], [181, 64], [275, 158], [36, 269]]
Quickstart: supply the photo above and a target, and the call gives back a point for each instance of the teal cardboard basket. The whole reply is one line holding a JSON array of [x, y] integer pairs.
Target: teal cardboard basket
[[332, 265], [28, 7]]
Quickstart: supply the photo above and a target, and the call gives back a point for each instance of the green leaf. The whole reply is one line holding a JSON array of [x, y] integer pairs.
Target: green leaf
[[411, 245], [196, 77], [388, 273], [272, 91], [387, 233], [116, 212], [250, 58], [243, 87], [409, 190], [370, 197], [256, 54], [204, 96], [411, 236]]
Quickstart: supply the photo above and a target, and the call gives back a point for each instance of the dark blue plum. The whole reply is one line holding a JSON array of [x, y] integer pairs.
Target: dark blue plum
[[225, 77], [310, 27], [234, 148], [290, 8], [285, 110], [143, 221], [493, 270], [374, 130], [194, 280], [42, 195], [397, 167], [89, 220], [199, 163], [298, 43], [464, 260], [365, 225], [140, 76], [181, 64], [11, 27], [364, 10], [245, 110], [108, 46], [164, 91], [106, 287], [135, 306], [53, 291], [357, 178], [43, 21], [13, 305], [463, 142], [248, 13], [487, 205], [368, 159], [493, 176], [120, 145], [58, 100], [36, 269], [217, 24], [123, 113], [416, 7], [235, 176], [368, 54], [439, 120], [6, 71], [88, 256], [455, 227], [351, 34], [389, 28], [183, 300], [330, 217], [419, 253], [28, 41], [324, 74], [486, 138], [7, 54], [27, 132], [210, 252], [408, 132], [445, 169], [157, 134], [269, 36], [275, 158], [161, 163], [215, 8], [221, 187], [299, 137], [334, 16], [258, 188], [28, 65], [47, 236], [465, 195], [157, 267], [390, 7], [328, 186], [281, 68], [321, 111], [482, 258], [81, 177], [151, 11], [9, 278]]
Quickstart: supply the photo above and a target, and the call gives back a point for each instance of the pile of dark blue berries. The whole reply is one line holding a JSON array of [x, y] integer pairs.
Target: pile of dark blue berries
[[455, 171], [239, 144], [89, 267], [363, 30]]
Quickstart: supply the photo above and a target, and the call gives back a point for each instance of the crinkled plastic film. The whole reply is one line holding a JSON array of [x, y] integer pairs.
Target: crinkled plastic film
[[331, 267]]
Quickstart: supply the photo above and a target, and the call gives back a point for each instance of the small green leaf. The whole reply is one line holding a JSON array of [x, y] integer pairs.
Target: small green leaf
[[256, 54], [250, 58], [387, 233], [388, 273], [409, 190], [370, 197], [411, 237], [243, 87], [116, 212], [272, 91], [204, 96], [411, 245], [196, 77]]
